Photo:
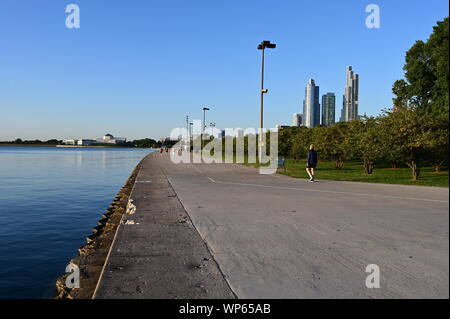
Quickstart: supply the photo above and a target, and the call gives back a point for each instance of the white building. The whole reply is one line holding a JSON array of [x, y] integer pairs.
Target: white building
[[107, 139], [110, 139], [71, 142], [311, 105], [239, 133], [85, 142]]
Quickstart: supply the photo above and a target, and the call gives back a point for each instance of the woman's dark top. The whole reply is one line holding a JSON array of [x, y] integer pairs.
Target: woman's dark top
[[312, 157]]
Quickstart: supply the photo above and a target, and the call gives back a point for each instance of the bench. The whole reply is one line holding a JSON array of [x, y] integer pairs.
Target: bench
[[281, 163]]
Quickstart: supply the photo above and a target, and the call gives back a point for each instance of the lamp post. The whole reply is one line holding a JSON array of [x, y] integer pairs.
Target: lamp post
[[212, 126], [204, 118], [204, 123], [191, 135], [187, 126], [262, 46]]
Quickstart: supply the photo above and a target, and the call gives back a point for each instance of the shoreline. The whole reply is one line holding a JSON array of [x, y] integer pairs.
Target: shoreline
[[160, 254], [92, 256], [74, 146]]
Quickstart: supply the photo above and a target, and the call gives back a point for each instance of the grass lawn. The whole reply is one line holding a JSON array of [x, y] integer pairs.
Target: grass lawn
[[354, 171]]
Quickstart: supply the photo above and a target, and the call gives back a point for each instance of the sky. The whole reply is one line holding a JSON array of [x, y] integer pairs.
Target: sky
[[137, 68]]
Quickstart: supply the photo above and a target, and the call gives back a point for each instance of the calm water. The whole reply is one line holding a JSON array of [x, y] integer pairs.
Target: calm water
[[50, 199]]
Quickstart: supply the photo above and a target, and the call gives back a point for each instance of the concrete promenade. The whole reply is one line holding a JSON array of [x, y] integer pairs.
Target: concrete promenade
[[271, 236]]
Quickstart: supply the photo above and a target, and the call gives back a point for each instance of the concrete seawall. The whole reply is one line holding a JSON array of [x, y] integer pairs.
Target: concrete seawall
[[91, 256], [157, 252]]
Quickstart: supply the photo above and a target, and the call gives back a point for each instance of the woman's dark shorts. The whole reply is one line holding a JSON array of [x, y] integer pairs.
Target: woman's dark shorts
[[310, 165]]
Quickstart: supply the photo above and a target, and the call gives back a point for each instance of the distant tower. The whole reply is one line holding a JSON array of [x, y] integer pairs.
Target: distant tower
[[328, 109], [342, 118], [351, 97], [311, 105], [296, 119]]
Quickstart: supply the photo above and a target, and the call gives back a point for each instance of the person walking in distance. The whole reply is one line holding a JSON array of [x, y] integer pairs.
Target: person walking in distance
[[311, 162]]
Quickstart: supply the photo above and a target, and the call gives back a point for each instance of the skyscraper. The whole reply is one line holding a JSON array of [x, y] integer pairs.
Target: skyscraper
[[351, 100], [311, 105], [328, 109], [297, 119]]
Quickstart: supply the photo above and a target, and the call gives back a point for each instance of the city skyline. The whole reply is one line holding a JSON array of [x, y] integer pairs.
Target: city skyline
[[141, 76], [315, 114]]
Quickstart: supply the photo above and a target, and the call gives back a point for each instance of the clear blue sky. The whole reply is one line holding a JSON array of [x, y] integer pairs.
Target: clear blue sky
[[136, 68]]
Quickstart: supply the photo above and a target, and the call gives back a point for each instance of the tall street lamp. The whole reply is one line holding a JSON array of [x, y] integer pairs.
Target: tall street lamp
[[187, 126], [204, 118], [204, 123], [191, 135], [262, 46]]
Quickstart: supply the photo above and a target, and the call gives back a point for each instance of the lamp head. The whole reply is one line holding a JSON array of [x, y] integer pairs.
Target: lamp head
[[266, 44]]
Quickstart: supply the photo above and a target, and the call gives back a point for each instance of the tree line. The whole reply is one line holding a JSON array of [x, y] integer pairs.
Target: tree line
[[19, 141], [408, 136]]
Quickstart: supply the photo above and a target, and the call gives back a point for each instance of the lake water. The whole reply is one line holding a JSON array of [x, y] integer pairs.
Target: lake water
[[50, 199]]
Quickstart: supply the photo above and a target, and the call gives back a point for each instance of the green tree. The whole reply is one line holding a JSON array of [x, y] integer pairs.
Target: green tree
[[333, 143], [145, 143], [409, 133], [425, 86], [368, 144], [285, 139], [299, 140], [439, 149]]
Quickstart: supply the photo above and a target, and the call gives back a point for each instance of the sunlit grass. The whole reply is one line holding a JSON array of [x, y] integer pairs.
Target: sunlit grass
[[354, 171]]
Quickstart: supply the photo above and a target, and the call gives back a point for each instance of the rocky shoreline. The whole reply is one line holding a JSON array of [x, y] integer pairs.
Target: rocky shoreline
[[92, 256]]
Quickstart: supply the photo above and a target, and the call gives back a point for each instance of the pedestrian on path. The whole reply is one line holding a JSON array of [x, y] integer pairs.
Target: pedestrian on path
[[311, 162]]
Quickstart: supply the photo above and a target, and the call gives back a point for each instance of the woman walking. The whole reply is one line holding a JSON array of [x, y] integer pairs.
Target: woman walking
[[311, 162]]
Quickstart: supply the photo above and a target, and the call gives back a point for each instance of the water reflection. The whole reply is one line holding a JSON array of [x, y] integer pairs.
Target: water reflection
[[51, 199]]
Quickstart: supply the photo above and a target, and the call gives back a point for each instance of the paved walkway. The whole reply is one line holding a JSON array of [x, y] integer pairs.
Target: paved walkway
[[158, 253], [279, 237]]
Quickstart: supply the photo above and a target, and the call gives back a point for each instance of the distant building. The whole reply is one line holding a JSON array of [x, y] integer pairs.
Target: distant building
[[297, 119], [107, 139], [350, 103], [311, 105], [110, 139], [280, 127], [85, 142], [239, 133], [71, 142], [328, 109]]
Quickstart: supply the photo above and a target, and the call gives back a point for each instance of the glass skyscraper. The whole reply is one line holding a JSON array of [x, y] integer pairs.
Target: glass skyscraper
[[350, 103], [311, 105], [328, 109]]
